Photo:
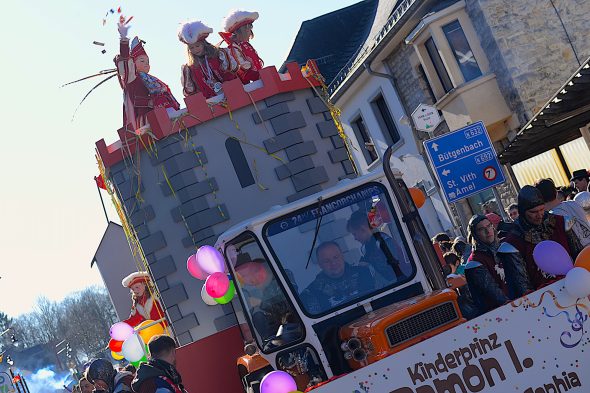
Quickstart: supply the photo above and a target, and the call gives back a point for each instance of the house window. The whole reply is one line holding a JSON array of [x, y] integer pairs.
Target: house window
[[438, 64], [366, 143], [238, 160], [385, 120], [462, 51]]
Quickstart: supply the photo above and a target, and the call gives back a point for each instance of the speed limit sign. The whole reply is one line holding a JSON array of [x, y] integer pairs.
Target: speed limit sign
[[490, 173]]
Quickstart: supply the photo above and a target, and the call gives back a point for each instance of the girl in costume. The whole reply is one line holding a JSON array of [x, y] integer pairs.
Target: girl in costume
[[207, 67], [142, 92], [144, 307], [237, 34]]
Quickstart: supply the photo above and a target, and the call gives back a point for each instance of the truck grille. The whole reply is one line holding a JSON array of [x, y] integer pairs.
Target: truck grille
[[422, 323]]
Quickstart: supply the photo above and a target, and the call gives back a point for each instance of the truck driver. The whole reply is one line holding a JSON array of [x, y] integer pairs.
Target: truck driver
[[338, 281]]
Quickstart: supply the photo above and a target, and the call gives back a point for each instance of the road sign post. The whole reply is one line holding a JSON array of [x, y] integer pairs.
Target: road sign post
[[426, 118], [464, 161]]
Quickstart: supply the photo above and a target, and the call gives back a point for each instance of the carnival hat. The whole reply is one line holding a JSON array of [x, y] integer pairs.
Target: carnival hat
[[238, 18], [193, 31], [579, 174], [137, 48], [134, 278]]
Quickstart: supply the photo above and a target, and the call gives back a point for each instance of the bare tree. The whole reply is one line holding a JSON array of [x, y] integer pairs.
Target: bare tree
[[82, 319]]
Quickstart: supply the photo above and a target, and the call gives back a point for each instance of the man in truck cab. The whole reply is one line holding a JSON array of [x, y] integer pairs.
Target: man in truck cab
[[378, 248], [338, 281]]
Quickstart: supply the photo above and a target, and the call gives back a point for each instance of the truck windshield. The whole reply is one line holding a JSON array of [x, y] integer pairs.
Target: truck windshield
[[341, 250], [275, 322]]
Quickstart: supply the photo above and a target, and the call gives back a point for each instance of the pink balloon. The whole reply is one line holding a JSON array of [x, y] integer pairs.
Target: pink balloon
[[121, 331], [278, 382], [217, 284], [194, 269], [210, 260], [552, 258]]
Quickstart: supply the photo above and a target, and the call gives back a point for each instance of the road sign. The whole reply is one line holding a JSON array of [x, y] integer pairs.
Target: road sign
[[464, 161], [426, 118]]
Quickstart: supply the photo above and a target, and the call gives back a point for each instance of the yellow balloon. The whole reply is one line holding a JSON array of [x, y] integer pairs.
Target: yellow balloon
[[116, 355], [151, 331]]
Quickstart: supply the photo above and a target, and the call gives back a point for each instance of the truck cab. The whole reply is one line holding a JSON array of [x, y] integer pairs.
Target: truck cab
[[336, 281]]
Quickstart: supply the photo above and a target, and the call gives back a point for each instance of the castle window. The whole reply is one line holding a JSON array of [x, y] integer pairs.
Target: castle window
[[238, 160]]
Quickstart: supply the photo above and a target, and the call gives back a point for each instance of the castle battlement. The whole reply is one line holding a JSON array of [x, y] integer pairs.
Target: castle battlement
[[200, 110]]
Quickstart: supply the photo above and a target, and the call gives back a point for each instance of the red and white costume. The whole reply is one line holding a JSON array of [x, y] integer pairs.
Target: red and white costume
[[249, 63], [208, 73], [142, 92], [145, 307]]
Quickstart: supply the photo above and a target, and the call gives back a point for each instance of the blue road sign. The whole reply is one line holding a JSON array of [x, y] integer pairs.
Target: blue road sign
[[464, 161]]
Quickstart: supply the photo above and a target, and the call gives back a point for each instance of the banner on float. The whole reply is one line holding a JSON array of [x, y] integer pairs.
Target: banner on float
[[537, 344]]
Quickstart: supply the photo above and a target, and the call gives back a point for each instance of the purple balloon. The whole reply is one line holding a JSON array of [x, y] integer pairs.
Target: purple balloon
[[194, 269], [217, 284], [278, 382], [210, 260], [120, 331], [552, 258]]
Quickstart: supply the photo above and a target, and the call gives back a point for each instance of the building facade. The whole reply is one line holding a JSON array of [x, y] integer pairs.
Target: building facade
[[492, 60]]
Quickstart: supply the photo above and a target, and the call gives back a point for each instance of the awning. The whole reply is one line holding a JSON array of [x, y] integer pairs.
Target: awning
[[558, 122]]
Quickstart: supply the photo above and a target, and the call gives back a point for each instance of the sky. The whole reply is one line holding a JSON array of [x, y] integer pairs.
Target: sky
[[51, 217]]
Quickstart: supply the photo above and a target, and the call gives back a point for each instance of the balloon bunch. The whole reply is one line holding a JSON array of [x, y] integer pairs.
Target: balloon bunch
[[278, 382], [127, 343], [552, 258], [208, 264]]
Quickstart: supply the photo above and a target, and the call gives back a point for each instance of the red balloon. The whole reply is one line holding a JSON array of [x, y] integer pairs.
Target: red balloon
[[251, 273], [115, 345]]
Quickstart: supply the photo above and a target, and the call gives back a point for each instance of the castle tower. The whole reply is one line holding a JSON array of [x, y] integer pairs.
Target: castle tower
[[190, 177]]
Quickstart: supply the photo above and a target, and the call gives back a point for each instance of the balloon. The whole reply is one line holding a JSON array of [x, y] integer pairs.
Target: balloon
[[583, 259], [206, 298], [133, 348], [577, 282], [137, 363], [417, 196], [229, 295], [194, 269], [217, 284], [251, 273], [115, 345], [120, 331], [117, 355], [210, 260], [149, 332], [277, 382], [552, 258], [583, 199]]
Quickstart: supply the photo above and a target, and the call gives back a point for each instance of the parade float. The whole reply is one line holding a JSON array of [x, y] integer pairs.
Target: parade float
[[228, 204]]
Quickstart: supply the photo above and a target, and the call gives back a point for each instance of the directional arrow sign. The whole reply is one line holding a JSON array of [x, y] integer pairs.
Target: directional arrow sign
[[464, 161]]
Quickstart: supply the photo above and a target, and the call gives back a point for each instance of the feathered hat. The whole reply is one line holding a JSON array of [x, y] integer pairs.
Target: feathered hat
[[193, 31], [136, 48], [238, 18], [135, 278]]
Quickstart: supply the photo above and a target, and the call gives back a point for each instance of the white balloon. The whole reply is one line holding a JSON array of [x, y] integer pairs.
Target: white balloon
[[577, 282], [133, 349], [207, 298]]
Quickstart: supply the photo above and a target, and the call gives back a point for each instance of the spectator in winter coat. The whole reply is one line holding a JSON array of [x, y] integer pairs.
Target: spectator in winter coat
[[159, 374], [106, 379], [568, 209], [535, 225], [495, 273]]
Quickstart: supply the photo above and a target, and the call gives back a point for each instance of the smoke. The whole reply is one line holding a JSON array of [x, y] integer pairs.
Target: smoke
[[46, 380]]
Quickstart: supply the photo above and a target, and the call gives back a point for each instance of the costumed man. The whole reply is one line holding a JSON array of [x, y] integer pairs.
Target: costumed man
[[495, 273], [159, 374], [207, 67], [237, 33], [106, 379], [142, 92], [534, 225], [144, 306]]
